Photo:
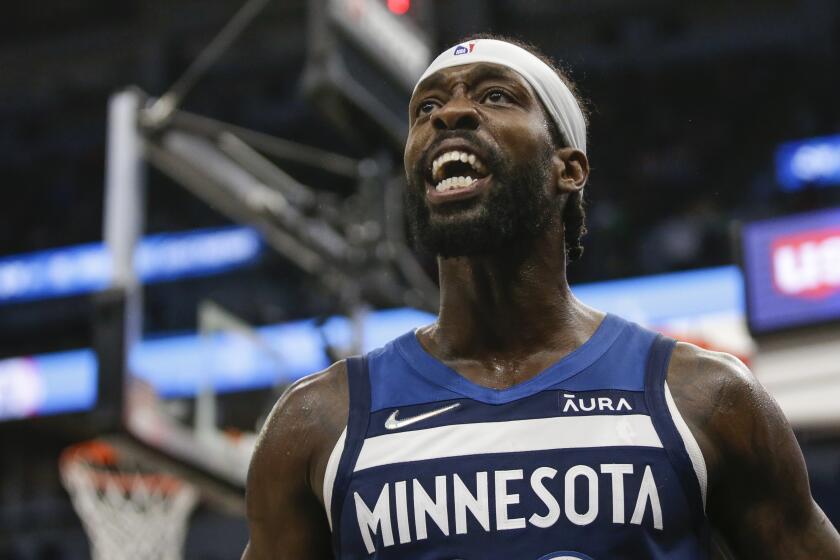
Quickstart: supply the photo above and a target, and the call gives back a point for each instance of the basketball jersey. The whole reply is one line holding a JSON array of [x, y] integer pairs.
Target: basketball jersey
[[590, 459]]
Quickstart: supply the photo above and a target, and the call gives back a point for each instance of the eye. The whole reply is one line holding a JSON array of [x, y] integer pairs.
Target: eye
[[426, 107], [497, 96]]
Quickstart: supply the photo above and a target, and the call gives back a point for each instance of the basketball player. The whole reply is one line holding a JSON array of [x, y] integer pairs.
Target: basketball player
[[522, 424]]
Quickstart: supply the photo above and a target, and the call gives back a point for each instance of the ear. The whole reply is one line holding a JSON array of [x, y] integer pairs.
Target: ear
[[571, 169]]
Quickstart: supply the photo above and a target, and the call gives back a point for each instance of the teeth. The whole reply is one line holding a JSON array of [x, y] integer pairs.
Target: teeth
[[454, 183], [455, 155]]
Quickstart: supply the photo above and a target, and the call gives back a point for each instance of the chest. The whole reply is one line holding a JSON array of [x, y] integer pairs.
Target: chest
[[558, 471]]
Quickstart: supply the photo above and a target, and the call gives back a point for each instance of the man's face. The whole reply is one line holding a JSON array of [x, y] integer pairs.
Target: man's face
[[478, 161]]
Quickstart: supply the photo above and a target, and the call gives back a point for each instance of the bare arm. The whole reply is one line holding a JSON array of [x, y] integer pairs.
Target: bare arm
[[759, 496], [285, 510]]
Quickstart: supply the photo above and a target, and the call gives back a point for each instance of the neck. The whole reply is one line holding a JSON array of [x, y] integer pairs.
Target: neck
[[510, 305]]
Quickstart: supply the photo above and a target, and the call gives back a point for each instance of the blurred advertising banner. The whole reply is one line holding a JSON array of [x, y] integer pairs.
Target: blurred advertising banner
[[48, 384], [87, 268]]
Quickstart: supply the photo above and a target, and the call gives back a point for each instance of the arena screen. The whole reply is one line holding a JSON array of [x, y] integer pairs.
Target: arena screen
[[810, 162], [792, 271]]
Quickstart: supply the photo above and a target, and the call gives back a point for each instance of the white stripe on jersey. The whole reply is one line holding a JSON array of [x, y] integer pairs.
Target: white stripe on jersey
[[691, 445], [331, 472], [536, 434]]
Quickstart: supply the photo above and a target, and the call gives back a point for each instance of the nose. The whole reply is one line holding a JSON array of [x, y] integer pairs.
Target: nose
[[457, 114]]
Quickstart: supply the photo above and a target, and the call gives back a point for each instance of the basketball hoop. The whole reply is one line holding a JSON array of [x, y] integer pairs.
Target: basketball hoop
[[127, 513]]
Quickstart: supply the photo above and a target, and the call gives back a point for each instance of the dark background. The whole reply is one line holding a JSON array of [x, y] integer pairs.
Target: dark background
[[688, 102]]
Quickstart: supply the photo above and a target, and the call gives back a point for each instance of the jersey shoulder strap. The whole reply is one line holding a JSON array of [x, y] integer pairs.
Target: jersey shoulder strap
[[358, 384], [679, 443]]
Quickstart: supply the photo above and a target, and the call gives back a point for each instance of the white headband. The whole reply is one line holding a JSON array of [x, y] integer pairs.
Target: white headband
[[555, 95]]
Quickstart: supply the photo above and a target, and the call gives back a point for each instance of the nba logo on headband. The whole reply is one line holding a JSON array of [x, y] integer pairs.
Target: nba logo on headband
[[464, 49]]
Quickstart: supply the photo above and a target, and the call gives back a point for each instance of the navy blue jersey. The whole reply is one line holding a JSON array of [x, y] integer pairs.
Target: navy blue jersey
[[589, 459]]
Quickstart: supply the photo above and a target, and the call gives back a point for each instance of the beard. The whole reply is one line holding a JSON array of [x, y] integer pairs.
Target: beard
[[514, 211]]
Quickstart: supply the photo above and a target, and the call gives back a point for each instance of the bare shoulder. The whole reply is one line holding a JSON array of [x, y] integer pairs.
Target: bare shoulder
[[283, 497], [745, 437], [311, 403], [696, 368], [721, 401], [708, 376], [758, 494], [302, 429]]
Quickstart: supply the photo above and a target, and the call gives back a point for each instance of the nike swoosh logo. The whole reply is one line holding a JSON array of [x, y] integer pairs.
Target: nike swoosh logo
[[393, 424]]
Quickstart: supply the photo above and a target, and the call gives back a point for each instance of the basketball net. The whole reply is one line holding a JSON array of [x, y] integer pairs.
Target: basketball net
[[126, 514]]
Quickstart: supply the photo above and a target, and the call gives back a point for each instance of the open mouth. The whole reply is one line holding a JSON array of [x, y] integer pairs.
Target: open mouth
[[456, 170]]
